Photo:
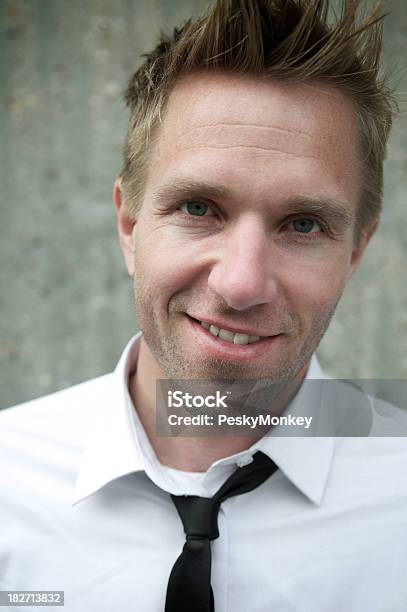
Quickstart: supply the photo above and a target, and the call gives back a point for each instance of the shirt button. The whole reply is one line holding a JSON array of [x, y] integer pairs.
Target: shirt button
[[244, 461]]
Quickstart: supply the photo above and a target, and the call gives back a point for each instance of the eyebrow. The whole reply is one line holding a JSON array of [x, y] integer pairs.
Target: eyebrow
[[335, 212], [185, 188]]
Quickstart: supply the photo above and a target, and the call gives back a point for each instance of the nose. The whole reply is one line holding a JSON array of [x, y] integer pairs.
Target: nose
[[242, 274]]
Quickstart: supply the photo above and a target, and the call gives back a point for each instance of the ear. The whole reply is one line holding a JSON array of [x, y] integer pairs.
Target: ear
[[359, 249], [125, 226]]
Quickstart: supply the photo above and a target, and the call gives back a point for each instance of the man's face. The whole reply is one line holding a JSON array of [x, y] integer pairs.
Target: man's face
[[247, 224]]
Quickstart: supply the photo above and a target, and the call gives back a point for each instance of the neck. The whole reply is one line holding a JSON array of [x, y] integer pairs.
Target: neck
[[191, 454]]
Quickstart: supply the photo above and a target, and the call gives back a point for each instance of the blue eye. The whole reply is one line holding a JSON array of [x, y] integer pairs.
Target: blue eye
[[196, 208], [306, 226]]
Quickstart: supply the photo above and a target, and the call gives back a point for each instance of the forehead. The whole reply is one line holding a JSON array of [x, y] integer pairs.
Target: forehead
[[210, 96], [226, 124]]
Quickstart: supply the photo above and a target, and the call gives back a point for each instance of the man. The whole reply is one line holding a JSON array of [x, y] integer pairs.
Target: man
[[250, 190]]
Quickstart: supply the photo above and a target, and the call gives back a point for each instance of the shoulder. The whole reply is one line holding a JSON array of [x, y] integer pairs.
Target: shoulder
[[388, 419], [47, 425], [379, 458], [59, 402]]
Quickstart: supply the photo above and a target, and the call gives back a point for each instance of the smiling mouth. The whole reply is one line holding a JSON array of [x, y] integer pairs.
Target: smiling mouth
[[229, 336]]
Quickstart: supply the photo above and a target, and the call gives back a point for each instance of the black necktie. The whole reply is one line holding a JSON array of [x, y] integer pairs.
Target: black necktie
[[189, 586]]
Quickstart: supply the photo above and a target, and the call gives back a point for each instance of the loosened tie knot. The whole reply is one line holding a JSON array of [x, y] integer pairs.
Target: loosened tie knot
[[199, 516]]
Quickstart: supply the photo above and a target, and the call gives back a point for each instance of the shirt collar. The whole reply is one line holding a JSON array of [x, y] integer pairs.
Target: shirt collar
[[306, 461], [117, 444], [111, 449]]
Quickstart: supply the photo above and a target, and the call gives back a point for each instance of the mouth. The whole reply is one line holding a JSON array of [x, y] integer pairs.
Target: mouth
[[230, 344], [228, 335]]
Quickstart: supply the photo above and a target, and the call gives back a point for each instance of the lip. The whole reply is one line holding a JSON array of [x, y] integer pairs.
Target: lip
[[220, 349], [227, 327]]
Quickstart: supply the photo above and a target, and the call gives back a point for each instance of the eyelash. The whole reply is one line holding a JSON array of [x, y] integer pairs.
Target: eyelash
[[307, 236]]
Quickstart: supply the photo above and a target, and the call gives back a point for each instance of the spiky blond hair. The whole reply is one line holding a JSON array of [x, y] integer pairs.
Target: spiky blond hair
[[286, 39]]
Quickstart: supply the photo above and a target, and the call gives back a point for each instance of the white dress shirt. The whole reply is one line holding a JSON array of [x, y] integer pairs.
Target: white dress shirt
[[85, 508]]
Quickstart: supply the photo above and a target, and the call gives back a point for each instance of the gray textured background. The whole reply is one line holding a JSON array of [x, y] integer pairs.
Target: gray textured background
[[66, 304]]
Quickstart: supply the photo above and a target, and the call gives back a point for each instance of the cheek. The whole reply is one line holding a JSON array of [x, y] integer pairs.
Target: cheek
[[315, 291], [167, 264]]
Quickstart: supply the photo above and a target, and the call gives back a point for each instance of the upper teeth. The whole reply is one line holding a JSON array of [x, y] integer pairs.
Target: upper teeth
[[229, 336]]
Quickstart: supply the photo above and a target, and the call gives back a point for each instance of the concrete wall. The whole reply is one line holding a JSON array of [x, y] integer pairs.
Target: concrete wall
[[65, 299]]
